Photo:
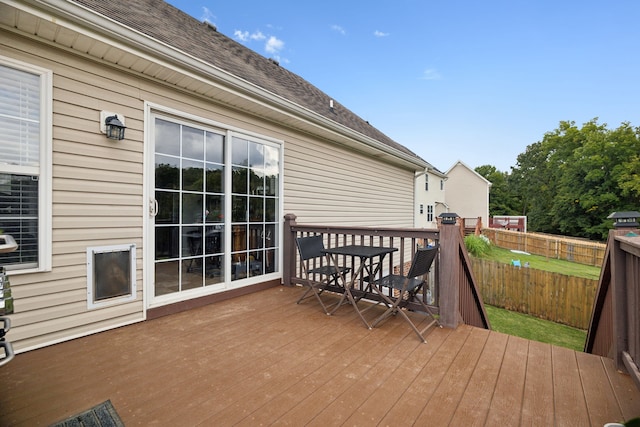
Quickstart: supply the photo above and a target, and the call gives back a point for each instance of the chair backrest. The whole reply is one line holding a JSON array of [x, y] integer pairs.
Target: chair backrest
[[310, 247], [422, 261]]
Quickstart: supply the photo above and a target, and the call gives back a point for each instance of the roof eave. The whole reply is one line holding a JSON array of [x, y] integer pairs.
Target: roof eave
[[87, 21]]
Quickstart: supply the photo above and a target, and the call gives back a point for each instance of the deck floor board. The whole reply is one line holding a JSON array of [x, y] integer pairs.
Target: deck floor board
[[569, 397], [261, 359], [538, 391], [506, 403], [474, 406]]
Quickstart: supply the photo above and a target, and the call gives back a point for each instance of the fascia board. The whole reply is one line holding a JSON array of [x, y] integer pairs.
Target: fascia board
[[85, 21]]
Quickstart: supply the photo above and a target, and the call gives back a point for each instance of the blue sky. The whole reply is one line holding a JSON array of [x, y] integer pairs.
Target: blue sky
[[476, 81]]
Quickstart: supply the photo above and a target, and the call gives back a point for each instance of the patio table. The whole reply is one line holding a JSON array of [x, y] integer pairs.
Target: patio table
[[366, 254]]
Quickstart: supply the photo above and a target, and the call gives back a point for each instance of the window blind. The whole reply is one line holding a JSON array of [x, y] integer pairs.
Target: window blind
[[19, 117], [20, 102]]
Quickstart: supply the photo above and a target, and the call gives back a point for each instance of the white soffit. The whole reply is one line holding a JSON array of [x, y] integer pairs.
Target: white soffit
[[81, 30]]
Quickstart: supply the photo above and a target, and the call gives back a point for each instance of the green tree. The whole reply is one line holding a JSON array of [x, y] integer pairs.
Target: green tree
[[569, 182], [502, 200], [533, 183]]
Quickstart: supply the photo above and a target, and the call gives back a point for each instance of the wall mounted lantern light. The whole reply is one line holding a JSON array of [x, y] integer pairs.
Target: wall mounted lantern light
[[112, 125]]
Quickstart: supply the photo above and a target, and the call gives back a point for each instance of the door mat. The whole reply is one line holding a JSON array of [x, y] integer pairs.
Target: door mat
[[102, 415]]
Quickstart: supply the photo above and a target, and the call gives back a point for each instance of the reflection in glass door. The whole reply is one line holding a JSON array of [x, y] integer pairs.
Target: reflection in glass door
[[254, 214], [189, 192]]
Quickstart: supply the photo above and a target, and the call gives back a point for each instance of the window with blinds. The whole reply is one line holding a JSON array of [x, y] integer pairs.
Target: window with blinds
[[21, 141]]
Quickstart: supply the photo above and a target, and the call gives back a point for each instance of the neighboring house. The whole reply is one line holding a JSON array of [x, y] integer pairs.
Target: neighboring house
[[467, 193], [220, 143], [430, 197]]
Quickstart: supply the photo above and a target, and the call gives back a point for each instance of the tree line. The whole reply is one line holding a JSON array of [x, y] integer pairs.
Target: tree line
[[569, 182]]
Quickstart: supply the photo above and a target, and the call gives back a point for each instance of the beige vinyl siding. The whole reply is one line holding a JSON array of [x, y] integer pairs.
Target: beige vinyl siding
[[468, 193], [97, 199], [328, 184], [64, 327], [98, 186]]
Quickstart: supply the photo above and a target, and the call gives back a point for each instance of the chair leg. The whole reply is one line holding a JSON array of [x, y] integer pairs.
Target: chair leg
[[413, 326], [392, 308], [395, 308], [414, 296], [312, 288]]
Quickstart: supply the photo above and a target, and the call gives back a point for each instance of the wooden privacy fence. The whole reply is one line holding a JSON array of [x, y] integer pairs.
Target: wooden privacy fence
[[581, 251], [551, 296]]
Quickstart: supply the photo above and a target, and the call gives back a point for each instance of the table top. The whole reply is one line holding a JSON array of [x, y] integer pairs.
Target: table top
[[360, 250]]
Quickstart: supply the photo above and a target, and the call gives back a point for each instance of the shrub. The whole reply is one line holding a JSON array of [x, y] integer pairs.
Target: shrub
[[477, 245]]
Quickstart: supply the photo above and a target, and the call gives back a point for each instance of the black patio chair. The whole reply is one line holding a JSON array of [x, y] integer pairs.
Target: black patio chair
[[311, 250], [403, 290]]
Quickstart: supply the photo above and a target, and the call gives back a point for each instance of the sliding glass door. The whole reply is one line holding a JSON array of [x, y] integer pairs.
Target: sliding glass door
[[216, 216]]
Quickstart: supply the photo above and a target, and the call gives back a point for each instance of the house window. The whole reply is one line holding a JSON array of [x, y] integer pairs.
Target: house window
[[25, 145], [421, 209], [426, 182], [442, 185], [430, 213]]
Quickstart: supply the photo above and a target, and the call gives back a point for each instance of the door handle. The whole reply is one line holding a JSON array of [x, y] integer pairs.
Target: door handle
[[153, 207]]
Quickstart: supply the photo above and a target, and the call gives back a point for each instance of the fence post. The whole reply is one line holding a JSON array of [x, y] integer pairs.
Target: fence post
[[449, 280], [288, 249]]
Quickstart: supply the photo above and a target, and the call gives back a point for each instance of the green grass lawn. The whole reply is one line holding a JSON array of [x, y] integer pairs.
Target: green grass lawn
[[532, 328], [542, 263]]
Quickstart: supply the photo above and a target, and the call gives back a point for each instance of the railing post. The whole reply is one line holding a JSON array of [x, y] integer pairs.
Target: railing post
[[288, 249], [619, 301], [449, 279]]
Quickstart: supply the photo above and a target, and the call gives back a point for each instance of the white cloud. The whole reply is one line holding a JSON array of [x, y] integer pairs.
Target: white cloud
[[207, 15], [245, 36], [274, 45], [258, 36], [338, 29], [380, 34], [431, 74]]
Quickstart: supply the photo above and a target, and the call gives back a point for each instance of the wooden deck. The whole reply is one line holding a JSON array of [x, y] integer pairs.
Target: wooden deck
[[263, 360]]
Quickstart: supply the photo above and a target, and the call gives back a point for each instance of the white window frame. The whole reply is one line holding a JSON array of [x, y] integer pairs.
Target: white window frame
[[44, 171]]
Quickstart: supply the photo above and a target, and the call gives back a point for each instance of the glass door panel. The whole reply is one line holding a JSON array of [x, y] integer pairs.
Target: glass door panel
[[255, 174], [189, 191]]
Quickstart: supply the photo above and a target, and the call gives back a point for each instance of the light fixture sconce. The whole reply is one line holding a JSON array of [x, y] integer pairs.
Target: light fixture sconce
[[112, 124]]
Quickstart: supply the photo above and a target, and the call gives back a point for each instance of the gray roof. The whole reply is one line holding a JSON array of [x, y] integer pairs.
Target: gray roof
[[170, 25]]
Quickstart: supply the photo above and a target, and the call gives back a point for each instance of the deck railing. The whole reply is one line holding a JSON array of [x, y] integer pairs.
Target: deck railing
[[614, 330], [450, 290]]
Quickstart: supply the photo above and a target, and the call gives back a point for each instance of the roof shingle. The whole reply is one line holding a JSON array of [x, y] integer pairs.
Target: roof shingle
[[162, 21]]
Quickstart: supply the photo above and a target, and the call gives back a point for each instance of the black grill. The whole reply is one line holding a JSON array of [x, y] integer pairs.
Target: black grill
[[7, 244]]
